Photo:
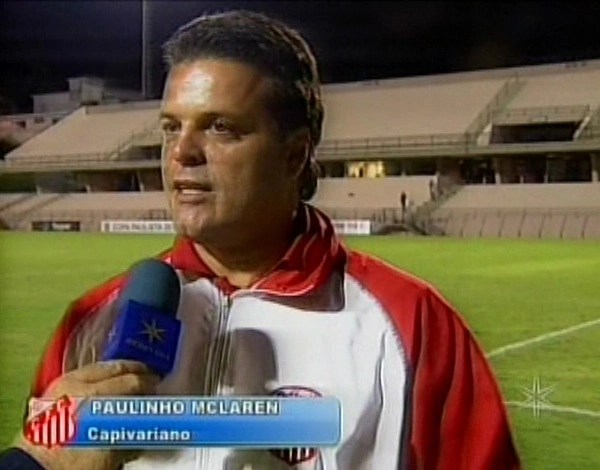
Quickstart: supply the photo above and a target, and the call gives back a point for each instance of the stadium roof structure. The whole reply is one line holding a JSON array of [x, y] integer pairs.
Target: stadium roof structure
[[440, 115]]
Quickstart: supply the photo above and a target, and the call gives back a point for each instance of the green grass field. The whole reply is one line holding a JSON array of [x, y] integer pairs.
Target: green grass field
[[509, 291]]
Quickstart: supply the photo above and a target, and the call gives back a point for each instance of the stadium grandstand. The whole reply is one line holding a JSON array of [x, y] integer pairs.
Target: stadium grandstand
[[496, 153]]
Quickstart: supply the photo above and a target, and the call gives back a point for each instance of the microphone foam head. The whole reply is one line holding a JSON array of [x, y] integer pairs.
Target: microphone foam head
[[153, 283]]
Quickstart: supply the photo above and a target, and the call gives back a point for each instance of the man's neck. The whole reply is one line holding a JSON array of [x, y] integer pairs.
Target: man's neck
[[245, 265]]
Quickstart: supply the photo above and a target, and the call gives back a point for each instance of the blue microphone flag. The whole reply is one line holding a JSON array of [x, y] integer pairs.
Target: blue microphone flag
[[144, 334], [146, 328]]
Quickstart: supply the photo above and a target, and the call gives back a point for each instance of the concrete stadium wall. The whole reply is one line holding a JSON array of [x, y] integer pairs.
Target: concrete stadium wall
[[554, 211], [573, 224], [360, 193], [393, 108], [20, 211], [532, 196]]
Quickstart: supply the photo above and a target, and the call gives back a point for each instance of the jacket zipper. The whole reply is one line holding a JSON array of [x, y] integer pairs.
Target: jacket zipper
[[223, 345], [218, 354], [216, 361]]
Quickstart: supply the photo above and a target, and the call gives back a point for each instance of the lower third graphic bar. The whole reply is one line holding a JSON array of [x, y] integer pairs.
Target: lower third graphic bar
[[251, 422]]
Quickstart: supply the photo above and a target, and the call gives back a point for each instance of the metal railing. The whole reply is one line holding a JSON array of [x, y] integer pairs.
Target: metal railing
[[380, 143], [540, 113], [443, 145], [448, 144], [31, 117], [127, 106], [60, 162]]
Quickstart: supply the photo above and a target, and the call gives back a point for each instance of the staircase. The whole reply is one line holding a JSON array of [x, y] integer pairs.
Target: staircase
[[590, 126], [18, 219], [421, 218], [14, 202], [142, 135], [500, 100]]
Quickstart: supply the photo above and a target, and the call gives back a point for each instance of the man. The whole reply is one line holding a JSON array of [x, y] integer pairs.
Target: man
[[272, 302], [403, 204]]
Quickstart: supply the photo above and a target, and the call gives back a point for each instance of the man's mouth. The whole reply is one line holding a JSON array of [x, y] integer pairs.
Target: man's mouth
[[189, 191]]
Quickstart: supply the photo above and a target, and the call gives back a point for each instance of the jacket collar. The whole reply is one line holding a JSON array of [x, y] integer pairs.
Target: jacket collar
[[307, 265]]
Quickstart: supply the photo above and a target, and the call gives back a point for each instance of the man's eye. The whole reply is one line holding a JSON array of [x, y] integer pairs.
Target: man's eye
[[221, 126], [169, 127]]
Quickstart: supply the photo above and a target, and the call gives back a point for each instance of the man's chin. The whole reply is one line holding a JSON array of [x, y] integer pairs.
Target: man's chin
[[199, 231], [188, 230]]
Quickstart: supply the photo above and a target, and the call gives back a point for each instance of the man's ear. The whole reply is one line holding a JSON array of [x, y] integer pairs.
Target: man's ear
[[299, 152]]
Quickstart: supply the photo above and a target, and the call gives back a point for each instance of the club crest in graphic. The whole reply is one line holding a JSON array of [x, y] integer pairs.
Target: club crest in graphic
[[300, 455], [50, 423]]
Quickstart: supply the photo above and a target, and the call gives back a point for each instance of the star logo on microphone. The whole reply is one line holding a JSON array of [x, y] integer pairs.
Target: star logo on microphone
[[153, 332], [111, 334]]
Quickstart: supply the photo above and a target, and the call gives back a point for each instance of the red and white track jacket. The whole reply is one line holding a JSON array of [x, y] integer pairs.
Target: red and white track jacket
[[416, 390]]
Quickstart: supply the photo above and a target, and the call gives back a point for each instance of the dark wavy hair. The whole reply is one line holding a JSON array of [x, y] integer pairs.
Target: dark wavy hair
[[275, 49]]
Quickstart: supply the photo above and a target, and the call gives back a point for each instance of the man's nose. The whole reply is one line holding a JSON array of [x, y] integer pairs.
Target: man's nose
[[189, 148]]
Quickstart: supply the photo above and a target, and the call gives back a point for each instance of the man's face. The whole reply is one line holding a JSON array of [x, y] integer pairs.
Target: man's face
[[226, 169]]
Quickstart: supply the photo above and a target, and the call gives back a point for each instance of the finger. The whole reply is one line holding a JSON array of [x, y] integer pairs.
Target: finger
[[101, 371], [128, 384], [129, 455]]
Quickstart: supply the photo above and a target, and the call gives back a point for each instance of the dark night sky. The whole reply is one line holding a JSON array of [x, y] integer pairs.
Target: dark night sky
[[42, 43]]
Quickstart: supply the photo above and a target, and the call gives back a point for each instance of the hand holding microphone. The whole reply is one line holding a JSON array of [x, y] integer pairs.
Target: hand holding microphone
[[140, 350], [113, 378], [142, 345]]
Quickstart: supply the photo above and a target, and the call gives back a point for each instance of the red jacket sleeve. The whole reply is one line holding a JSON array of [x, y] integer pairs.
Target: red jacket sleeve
[[51, 364], [457, 418]]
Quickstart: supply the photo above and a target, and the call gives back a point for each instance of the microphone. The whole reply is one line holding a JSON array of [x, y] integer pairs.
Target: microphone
[[146, 329]]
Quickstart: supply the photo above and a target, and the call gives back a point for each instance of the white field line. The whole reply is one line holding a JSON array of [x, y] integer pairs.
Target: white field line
[[542, 338], [555, 408], [539, 339]]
